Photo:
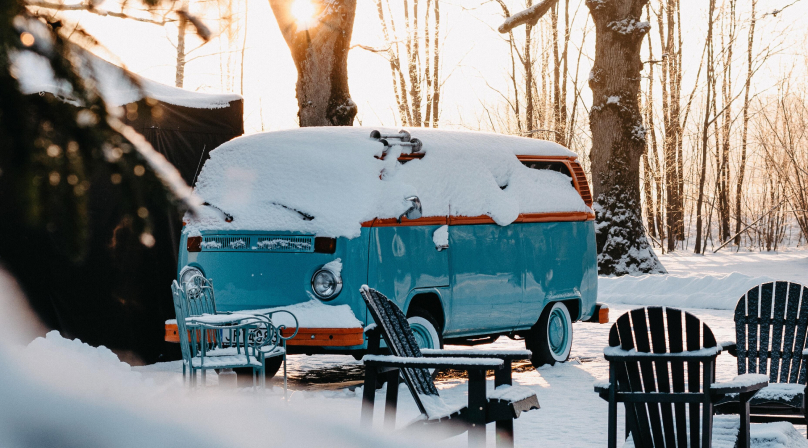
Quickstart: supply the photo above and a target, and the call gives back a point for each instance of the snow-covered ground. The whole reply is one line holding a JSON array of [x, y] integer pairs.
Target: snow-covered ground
[[571, 413]]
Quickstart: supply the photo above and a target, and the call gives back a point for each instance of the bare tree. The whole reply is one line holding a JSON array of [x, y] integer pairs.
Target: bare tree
[[319, 47], [417, 92]]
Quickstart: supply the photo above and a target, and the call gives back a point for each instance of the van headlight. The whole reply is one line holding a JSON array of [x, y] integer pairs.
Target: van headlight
[[326, 284], [190, 281]]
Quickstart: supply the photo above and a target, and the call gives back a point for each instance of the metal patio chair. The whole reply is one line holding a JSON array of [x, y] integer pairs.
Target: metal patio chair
[[201, 300], [502, 406], [201, 340]]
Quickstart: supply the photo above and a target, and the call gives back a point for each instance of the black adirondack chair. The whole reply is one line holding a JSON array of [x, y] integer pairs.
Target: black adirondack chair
[[770, 331], [502, 406], [662, 366]]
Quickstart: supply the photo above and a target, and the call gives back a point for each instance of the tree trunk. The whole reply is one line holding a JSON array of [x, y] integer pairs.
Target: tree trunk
[[745, 133], [321, 57], [182, 27], [618, 138]]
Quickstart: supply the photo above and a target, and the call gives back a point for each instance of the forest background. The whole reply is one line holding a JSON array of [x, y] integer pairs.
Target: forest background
[[724, 90]]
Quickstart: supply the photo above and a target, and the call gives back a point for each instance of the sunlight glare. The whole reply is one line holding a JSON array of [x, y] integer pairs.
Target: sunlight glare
[[303, 12]]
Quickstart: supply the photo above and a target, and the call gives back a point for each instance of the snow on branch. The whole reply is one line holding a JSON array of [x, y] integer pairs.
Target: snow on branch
[[530, 15]]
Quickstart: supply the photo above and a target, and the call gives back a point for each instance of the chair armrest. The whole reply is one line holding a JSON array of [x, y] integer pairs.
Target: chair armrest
[[433, 363], [729, 347], [805, 354], [505, 355], [602, 386], [749, 382]]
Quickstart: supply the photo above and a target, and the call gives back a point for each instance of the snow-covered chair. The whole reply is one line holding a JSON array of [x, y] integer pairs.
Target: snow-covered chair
[[201, 340], [770, 330], [662, 367], [502, 406], [200, 300]]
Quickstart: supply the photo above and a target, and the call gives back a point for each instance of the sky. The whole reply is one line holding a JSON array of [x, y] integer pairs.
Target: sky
[[475, 59]]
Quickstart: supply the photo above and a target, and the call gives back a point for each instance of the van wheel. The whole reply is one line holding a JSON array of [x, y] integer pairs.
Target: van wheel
[[550, 339], [427, 335], [425, 329]]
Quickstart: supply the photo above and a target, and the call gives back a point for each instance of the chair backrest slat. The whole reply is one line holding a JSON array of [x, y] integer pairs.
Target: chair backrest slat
[[770, 331], [778, 318], [656, 325], [765, 325], [660, 330], [797, 366], [399, 339], [693, 375], [676, 341], [752, 326], [181, 314], [741, 333], [791, 319]]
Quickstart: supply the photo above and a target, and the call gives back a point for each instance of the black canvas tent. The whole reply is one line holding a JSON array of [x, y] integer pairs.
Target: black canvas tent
[[119, 294]]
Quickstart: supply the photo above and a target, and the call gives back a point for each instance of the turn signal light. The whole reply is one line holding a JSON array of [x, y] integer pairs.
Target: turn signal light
[[323, 245], [195, 244], [603, 314]]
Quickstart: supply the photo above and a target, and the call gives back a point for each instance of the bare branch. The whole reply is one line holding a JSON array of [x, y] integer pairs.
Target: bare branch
[[528, 16], [91, 9]]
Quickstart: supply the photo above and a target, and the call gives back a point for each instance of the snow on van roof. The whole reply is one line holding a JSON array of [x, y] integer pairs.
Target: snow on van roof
[[34, 74], [327, 181]]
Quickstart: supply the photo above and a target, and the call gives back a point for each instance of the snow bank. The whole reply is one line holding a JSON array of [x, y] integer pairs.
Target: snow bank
[[327, 181], [114, 83], [61, 392], [695, 291]]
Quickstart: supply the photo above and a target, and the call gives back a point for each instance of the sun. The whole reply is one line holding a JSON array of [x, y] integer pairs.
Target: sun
[[304, 12]]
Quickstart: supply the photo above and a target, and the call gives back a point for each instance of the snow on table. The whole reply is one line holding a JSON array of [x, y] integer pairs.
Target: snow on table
[[328, 181], [459, 362]]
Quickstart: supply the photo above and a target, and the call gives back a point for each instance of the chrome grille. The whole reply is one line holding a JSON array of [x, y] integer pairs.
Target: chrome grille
[[263, 243]]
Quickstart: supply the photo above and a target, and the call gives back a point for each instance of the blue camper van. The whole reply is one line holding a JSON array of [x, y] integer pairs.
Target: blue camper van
[[474, 235]]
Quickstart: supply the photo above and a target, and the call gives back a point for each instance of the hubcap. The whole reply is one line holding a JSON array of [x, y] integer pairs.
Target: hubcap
[[557, 331], [422, 336]]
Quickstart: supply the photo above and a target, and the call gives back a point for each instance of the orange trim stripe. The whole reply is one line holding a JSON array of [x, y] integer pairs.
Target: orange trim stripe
[[484, 219], [545, 158], [319, 337]]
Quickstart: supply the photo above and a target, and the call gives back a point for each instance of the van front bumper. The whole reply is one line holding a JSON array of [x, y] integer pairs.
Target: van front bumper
[[312, 337]]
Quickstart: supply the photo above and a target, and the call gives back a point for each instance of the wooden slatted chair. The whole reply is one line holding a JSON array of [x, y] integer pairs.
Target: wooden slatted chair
[[502, 406], [661, 366], [201, 339], [770, 330]]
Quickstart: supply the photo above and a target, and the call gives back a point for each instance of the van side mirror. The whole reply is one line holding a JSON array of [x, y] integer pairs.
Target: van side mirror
[[414, 212]]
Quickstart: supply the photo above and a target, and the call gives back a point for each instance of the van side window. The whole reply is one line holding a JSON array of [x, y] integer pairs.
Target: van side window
[[561, 167]]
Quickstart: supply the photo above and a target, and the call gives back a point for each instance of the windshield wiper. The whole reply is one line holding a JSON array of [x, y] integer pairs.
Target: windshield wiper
[[305, 216], [227, 216]]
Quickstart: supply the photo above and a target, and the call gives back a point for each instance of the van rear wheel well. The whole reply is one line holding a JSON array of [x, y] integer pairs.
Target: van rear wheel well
[[574, 308], [429, 302]]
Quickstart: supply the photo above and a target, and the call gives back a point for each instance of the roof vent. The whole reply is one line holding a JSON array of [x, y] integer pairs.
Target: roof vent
[[404, 139]]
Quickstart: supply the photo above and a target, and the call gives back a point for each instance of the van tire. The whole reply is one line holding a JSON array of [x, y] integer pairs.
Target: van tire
[[419, 317], [425, 327], [550, 339]]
